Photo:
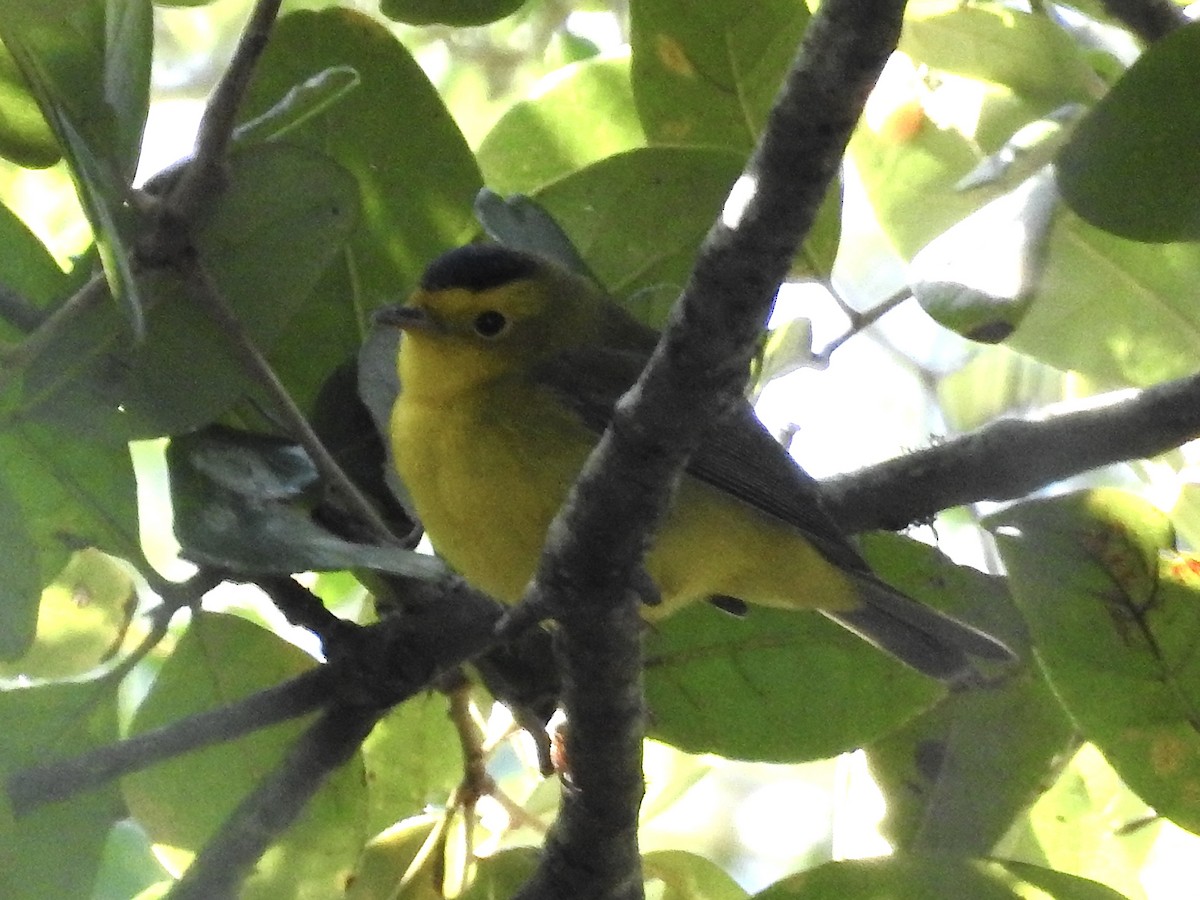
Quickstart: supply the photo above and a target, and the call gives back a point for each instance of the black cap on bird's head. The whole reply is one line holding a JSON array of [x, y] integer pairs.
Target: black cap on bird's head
[[479, 267]]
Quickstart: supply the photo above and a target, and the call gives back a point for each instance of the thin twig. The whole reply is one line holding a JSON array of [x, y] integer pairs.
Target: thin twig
[[859, 321], [206, 292], [206, 171]]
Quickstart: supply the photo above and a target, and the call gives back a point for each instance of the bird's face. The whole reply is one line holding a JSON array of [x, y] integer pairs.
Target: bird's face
[[479, 316]]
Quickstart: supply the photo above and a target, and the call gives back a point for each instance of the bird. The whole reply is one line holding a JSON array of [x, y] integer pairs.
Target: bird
[[510, 367]]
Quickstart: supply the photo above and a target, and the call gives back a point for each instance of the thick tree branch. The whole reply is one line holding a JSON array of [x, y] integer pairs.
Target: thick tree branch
[[1008, 458], [593, 558], [1148, 19], [446, 624]]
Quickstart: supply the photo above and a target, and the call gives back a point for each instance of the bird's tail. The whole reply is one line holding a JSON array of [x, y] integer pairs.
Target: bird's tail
[[919, 636]]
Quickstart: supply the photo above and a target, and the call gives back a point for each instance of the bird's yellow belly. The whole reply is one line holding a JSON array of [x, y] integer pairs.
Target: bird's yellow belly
[[486, 502]]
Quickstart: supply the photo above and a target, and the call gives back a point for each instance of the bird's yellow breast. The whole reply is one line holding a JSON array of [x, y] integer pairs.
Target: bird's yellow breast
[[488, 469]]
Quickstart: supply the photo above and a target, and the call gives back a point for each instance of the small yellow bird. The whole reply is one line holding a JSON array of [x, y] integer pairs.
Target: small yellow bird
[[509, 369]]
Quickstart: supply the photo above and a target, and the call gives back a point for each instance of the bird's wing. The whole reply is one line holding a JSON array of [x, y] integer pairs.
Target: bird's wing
[[739, 456]]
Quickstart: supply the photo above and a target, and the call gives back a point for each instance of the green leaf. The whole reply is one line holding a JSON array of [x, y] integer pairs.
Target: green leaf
[[19, 595], [413, 209], [913, 877], [82, 616], [993, 382], [386, 859], [901, 877], [521, 223], [716, 684], [502, 874], [1028, 53], [1124, 304], [55, 851], [88, 64], [129, 865], [1114, 617], [574, 117], [277, 226], [27, 268], [56, 496], [412, 759], [917, 172], [979, 276], [1060, 885], [612, 210], [1130, 167], [956, 776], [688, 876], [459, 13], [182, 802], [25, 136], [707, 74], [312, 97]]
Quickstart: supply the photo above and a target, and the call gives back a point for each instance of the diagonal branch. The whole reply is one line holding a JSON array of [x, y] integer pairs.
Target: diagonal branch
[[1009, 458]]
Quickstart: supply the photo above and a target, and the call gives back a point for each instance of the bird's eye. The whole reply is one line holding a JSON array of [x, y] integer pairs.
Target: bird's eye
[[490, 323]]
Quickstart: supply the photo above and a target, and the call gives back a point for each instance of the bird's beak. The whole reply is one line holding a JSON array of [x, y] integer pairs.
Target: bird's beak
[[406, 318]]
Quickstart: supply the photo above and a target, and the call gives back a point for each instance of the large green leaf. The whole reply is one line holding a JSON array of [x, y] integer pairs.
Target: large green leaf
[[459, 13], [1117, 311], [707, 74], [746, 688], [1123, 304], [1115, 619], [913, 877], [1131, 167], [183, 801], [55, 497], [88, 64], [25, 136], [277, 225], [689, 876], [613, 211], [27, 268], [1027, 52], [901, 877], [957, 775], [54, 851], [416, 178], [576, 116], [412, 759], [82, 616]]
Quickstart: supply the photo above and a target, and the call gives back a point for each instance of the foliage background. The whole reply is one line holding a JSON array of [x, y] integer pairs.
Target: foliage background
[[608, 115]]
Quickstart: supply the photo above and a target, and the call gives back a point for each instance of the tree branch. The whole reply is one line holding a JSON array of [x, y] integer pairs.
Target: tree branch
[[1148, 19], [1009, 458], [275, 804], [58, 780], [589, 571]]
